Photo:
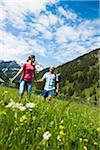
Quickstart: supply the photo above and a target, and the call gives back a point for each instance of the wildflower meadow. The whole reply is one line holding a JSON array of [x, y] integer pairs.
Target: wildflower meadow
[[36, 124]]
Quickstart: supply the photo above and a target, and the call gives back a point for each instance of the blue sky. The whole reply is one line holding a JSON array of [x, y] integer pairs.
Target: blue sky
[[56, 31]]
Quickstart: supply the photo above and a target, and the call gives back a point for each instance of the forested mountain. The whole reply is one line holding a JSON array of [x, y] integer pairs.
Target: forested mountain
[[8, 69], [79, 77]]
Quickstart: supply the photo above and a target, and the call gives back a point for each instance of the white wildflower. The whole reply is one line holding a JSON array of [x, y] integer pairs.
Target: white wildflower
[[10, 104], [18, 105], [30, 105], [46, 135], [22, 108], [58, 138]]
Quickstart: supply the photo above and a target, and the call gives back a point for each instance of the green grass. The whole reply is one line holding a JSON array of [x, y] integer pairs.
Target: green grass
[[72, 126]]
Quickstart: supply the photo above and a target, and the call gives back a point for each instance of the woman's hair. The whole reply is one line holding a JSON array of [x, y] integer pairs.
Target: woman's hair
[[30, 57]]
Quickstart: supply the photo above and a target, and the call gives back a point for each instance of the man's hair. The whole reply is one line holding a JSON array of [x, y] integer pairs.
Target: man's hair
[[52, 66]]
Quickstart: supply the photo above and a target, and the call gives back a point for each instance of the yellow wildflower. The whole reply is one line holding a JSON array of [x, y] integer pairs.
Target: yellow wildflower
[[95, 143], [23, 119], [81, 139], [74, 125], [61, 127], [38, 128], [5, 92], [2, 113], [61, 133], [28, 131], [85, 140], [85, 148], [98, 129], [33, 118]]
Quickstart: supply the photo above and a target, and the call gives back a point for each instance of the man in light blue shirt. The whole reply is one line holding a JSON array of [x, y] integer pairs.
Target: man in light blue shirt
[[51, 83]]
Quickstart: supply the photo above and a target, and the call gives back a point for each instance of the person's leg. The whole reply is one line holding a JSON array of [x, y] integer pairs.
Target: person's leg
[[29, 88], [49, 97], [45, 94], [50, 94], [21, 88]]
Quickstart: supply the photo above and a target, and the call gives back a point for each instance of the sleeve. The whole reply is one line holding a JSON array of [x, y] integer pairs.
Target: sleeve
[[23, 66]]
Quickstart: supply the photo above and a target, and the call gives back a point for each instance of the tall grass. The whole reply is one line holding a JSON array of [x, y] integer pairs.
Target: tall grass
[[70, 125]]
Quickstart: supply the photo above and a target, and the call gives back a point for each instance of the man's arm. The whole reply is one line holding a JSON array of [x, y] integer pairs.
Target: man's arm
[[41, 80], [57, 87]]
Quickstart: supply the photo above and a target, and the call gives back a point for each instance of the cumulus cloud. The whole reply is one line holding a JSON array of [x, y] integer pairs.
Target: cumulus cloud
[[27, 26], [67, 14]]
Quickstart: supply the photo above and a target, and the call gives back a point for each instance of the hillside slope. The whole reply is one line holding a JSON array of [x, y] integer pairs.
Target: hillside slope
[[80, 76]]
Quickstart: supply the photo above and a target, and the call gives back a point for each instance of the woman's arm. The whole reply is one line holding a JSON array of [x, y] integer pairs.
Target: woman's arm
[[19, 72]]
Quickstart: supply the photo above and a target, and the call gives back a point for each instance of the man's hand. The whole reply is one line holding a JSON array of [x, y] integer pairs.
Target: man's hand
[[56, 92]]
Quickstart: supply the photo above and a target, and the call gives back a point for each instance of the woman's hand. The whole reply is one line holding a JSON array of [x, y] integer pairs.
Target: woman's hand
[[11, 80]]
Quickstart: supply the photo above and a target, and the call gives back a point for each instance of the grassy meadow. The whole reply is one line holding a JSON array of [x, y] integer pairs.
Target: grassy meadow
[[36, 124]]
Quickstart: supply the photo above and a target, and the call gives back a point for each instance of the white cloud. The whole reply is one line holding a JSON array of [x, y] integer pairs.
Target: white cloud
[[76, 41], [65, 33], [63, 41], [43, 19], [38, 48], [15, 11], [39, 27], [52, 19], [12, 47], [3, 14], [68, 14], [47, 35]]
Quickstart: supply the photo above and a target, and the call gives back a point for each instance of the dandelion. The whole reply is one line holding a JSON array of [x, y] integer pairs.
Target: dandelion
[[81, 139], [46, 135], [85, 148], [95, 143], [61, 133], [61, 127], [30, 105]]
